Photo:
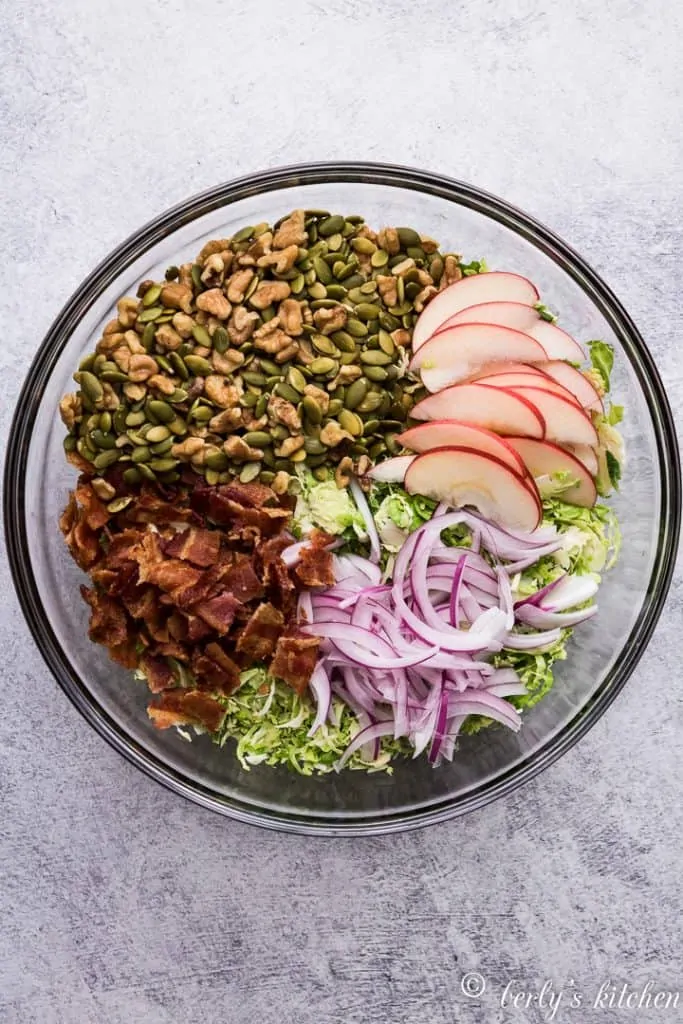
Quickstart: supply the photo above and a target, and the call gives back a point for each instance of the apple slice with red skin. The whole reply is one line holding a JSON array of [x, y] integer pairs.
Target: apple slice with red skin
[[557, 343], [575, 382], [543, 458], [565, 420], [391, 471], [587, 456], [461, 476], [493, 286], [457, 353], [503, 412], [520, 380], [491, 369], [455, 433]]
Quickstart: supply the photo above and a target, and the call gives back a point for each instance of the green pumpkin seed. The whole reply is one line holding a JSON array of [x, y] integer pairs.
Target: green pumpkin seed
[[103, 440], [312, 410], [118, 504], [356, 295], [386, 343], [243, 235], [106, 459], [377, 449], [90, 386], [85, 450], [347, 271], [131, 475], [363, 245], [324, 367], [297, 284], [212, 476], [287, 392], [313, 446], [69, 443], [389, 322], [323, 304], [355, 393], [370, 426], [88, 362], [217, 461], [145, 471], [135, 419], [356, 329], [392, 443], [201, 335], [269, 367], [372, 400], [249, 472], [164, 364], [202, 414], [346, 358], [148, 315], [163, 465], [436, 268], [375, 357], [330, 226], [172, 273], [351, 422], [336, 291], [375, 373], [148, 336], [105, 422], [408, 236], [257, 438], [335, 242], [354, 281], [296, 379], [335, 407], [412, 290], [266, 476], [221, 340], [367, 311], [196, 274], [380, 258], [257, 380], [261, 406], [369, 288], [322, 270], [151, 295], [162, 410], [141, 453], [323, 344], [179, 366], [343, 341], [298, 456], [162, 447], [417, 253], [249, 400], [156, 434]]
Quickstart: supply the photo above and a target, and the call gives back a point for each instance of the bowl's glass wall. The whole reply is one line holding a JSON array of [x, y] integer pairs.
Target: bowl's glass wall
[[114, 696]]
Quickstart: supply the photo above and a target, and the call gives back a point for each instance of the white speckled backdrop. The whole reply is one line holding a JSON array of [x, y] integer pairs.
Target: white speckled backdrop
[[122, 903]]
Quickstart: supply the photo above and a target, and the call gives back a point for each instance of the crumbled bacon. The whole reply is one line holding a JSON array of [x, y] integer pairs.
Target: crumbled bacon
[[241, 580], [94, 512], [295, 658], [259, 636], [108, 624], [215, 669], [199, 546], [219, 612], [186, 707], [158, 673]]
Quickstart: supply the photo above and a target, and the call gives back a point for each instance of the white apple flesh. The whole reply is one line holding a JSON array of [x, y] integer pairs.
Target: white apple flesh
[[519, 380], [503, 412], [543, 459], [586, 456], [460, 476], [391, 471], [449, 433], [575, 382], [459, 352], [494, 286], [521, 317], [565, 421]]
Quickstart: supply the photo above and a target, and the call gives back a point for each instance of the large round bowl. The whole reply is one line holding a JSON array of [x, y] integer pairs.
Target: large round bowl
[[602, 655]]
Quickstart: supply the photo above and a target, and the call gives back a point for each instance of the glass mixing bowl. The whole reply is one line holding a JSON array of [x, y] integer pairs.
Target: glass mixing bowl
[[601, 656]]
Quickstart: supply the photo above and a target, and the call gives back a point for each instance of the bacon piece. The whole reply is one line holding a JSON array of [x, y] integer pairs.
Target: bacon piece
[[108, 623], [259, 637], [149, 507], [82, 541], [172, 649], [314, 568], [125, 654], [171, 575], [196, 545], [94, 512], [249, 495], [124, 547], [295, 658], [197, 629], [215, 670], [241, 580], [158, 673], [219, 612], [200, 588], [186, 707]]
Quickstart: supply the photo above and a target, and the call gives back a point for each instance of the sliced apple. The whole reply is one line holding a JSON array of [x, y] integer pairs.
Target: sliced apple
[[503, 412], [458, 352], [494, 286], [461, 476], [543, 459], [391, 471], [575, 382], [521, 317], [509, 367], [565, 421], [449, 433], [585, 455], [519, 380]]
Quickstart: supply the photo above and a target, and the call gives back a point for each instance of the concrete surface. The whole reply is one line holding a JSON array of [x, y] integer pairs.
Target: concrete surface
[[122, 903]]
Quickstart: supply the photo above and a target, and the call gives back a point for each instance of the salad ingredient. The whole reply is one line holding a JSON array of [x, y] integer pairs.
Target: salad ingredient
[[546, 460], [526, 318], [445, 433], [463, 476], [456, 353], [565, 422], [513, 381], [324, 505], [576, 383], [503, 412], [586, 456], [391, 471], [494, 286]]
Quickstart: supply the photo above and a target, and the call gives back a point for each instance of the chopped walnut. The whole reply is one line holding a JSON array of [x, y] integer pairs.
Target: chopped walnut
[[291, 318], [366, 232], [451, 272], [319, 396], [238, 283], [332, 434], [183, 324], [237, 448], [140, 368], [388, 239], [270, 338], [134, 392], [215, 245], [227, 420], [214, 302], [161, 383], [167, 338], [241, 325], [423, 297], [285, 354], [226, 362], [306, 353], [113, 327], [342, 473], [135, 346], [291, 231], [284, 412], [388, 289], [428, 244], [258, 248], [423, 277], [403, 267], [109, 399], [400, 337], [220, 392], [103, 489], [251, 422], [280, 482], [185, 275], [346, 375], [289, 446], [214, 271], [108, 343], [128, 311], [187, 449], [363, 465], [71, 410], [269, 292], [177, 296], [330, 320], [280, 261]]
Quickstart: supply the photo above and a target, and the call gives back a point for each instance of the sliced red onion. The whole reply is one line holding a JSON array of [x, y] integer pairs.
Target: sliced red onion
[[532, 641], [369, 734], [364, 509], [320, 685], [540, 618]]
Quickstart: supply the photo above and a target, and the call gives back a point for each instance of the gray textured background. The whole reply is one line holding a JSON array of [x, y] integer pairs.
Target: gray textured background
[[122, 903]]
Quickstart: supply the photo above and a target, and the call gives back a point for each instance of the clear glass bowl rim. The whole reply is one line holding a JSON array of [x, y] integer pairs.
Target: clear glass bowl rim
[[329, 173]]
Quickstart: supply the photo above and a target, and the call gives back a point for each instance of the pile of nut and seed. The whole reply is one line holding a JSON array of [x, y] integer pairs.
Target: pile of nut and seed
[[281, 347]]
